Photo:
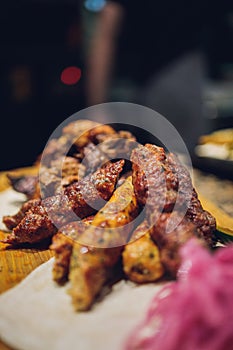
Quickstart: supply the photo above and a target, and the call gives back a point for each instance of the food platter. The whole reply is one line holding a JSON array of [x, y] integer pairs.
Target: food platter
[[45, 309], [97, 305], [37, 294]]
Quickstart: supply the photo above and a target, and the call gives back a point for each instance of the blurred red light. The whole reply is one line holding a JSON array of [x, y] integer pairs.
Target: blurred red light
[[71, 75]]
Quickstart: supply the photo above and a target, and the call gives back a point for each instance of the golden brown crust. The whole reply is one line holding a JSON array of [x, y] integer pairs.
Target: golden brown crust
[[141, 257], [90, 267], [62, 245]]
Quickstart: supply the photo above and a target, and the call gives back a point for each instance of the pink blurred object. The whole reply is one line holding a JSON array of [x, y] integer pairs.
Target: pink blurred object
[[196, 311]]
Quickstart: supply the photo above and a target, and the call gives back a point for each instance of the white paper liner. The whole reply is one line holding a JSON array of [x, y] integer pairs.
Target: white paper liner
[[37, 314]]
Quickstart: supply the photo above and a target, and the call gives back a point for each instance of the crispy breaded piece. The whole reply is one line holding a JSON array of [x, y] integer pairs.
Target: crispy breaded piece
[[81, 198], [90, 269], [92, 262], [141, 257], [62, 245]]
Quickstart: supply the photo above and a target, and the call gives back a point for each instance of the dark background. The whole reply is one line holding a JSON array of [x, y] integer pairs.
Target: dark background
[[38, 40]]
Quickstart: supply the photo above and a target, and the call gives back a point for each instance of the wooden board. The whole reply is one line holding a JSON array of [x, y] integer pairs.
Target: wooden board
[[16, 264]]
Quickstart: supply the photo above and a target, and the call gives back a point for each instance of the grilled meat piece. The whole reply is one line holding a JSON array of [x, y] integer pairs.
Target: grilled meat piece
[[57, 148], [114, 146], [86, 131], [33, 228], [119, 145], [141, 257], [202, 219], [165, 182], [88, 195], [121, 134], [148, 165], [13, 220], [101, 245], [156, 182], [58, 171], [25, 184], [169, 242], [51, 181], [172, 202], [61, 173], [80, 199], [93, 157], [62, 245]]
